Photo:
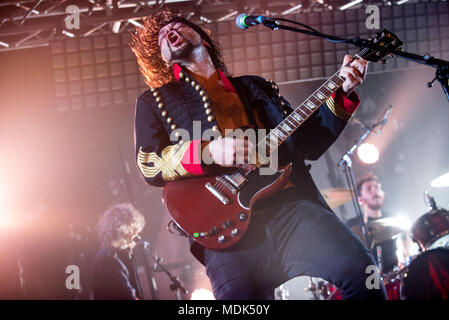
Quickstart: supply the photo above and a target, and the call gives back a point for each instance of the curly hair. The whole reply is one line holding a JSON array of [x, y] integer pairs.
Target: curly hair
[[118, 225], [144, 44]]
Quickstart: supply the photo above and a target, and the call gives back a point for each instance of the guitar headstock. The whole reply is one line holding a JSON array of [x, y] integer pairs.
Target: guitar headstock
[[385, 39]]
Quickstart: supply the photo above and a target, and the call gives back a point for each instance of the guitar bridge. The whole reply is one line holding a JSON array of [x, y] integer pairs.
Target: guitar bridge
[[217, 194]]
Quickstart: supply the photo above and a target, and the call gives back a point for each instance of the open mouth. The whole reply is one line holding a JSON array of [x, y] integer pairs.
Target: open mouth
[[174, 38]]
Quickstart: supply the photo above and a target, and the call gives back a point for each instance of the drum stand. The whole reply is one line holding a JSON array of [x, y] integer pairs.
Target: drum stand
[[379, 258]]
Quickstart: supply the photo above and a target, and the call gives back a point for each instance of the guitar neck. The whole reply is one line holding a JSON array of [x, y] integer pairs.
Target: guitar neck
[[299, 115]]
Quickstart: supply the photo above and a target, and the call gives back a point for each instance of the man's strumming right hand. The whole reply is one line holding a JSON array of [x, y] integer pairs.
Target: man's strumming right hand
[[232, 152]]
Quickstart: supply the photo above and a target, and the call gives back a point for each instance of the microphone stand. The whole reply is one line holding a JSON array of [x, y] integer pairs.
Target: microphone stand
[[175, 286], [346, 161], [441, 66], [149, 271]]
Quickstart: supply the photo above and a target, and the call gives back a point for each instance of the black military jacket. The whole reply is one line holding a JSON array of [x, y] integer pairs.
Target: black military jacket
[[159, 112]]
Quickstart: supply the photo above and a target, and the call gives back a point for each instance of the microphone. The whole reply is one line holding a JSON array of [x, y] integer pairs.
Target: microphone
[[138, 240], [384, 120], [244, 21], [386, 115]]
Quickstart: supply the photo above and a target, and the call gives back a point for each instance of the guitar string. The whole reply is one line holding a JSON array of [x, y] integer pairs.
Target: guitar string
[[221, 186], [243, 171]]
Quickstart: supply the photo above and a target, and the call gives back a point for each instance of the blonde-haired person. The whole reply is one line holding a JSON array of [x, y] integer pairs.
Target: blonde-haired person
[[115, 274]]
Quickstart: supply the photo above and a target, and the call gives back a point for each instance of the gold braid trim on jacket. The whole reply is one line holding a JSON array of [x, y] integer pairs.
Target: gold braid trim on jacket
[[169, 164]]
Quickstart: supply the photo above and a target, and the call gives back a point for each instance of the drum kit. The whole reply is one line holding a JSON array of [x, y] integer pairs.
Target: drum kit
[[424, 276]]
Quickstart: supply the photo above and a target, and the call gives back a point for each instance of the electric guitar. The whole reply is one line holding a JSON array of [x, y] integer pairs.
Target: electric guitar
[[215, 209]]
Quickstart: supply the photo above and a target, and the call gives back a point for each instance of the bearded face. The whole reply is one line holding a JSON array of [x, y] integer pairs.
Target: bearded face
[[372, 195]]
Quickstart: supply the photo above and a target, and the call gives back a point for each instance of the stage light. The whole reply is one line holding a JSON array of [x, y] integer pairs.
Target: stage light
[[402, 222], [116, 26], [68, 34], [401, 2], [27, 9], [441, 181], [368, 153], [228, 16], [204, 19], [134, 22], [202, 294], [88, 33], [288, 11], [350, 4]]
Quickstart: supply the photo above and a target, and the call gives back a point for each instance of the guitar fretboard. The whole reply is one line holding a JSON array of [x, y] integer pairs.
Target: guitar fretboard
[[298, 116]]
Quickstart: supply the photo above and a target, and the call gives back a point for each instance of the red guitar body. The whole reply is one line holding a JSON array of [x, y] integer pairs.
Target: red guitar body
[[215, 210]]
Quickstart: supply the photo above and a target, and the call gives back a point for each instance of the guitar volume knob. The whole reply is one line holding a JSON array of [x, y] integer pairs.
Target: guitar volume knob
[[213, 231], [243, 216], [221, 239], [235, 232]]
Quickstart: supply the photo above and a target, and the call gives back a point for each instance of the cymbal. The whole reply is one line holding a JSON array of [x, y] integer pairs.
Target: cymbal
[[381, 230], [336, 197], [441, 181]]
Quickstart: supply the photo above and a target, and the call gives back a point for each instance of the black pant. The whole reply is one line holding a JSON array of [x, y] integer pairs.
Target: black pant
[[287, 238]]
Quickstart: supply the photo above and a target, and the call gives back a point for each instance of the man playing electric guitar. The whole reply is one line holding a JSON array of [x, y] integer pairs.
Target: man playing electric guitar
[[292, 232]]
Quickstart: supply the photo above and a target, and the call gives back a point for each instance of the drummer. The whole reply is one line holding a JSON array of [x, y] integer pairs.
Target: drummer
[[371, 199]]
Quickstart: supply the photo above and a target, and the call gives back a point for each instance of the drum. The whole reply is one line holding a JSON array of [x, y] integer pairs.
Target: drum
[[427, 277], [331, 292], [393, 280], [393, 288], [431, 230]]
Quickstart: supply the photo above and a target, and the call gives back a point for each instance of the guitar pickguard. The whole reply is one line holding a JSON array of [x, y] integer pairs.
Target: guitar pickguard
[[255, 184]]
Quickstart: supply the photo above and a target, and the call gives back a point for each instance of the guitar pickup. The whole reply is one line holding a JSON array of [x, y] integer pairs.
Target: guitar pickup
[[227, 184], [236, 180], [217, 194]]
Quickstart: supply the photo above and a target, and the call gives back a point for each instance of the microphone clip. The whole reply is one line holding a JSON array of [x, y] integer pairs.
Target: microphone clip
[[244, 21]]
